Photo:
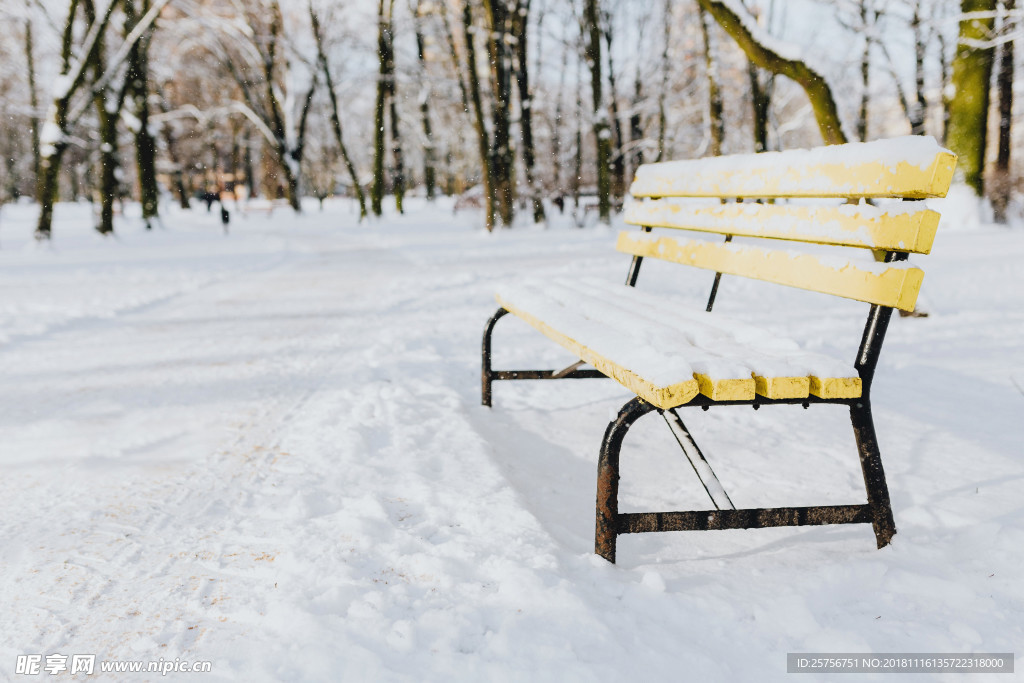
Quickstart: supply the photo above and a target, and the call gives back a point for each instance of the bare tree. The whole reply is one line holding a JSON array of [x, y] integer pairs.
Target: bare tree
[[618, 159], [429, 150], [592, 31], [33, 93], [520, 34], [468, 79], [1002, 185], [758, 49], [253, 51], [386, 93], [76, 62], [665, 67], [137, 88], [716, 122], [332, 98], [498, 20], [108, 102]]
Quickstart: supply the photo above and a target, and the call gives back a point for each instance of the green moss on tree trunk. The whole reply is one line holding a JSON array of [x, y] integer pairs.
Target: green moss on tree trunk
[[966, 132]]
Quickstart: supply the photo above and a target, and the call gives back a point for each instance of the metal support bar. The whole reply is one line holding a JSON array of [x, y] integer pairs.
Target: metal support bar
[[608, 476], [546, 374], [564, 372], [753, 518], [874, 476], [702, 401], [874, 333], [714, 286], [703, 470], [610, 523], [486, 374], [634, 265]]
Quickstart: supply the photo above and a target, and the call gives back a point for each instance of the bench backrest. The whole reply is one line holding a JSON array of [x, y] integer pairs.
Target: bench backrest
[[911, 167]]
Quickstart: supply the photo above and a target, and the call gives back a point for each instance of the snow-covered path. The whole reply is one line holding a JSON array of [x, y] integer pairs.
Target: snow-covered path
[[266, 451]]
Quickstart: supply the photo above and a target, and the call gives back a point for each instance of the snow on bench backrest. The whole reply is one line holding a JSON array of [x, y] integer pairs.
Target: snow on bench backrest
[[912, 167]]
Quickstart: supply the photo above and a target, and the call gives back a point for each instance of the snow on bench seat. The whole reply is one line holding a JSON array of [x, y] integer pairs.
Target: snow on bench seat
[[667, 354]]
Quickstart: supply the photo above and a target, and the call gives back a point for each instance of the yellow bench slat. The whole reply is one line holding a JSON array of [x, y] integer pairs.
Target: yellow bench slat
[[895, 286], [836, 387], [632, 315], [921, 169], [663, 397], [852, 226], [736, 389], [782, 387], [778, 387]]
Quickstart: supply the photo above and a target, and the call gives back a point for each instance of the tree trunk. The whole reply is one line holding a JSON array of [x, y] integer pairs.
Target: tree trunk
[[33, 96], [332, 98], [138, 86], [1003, 184], [556, 130], [502, 160], [388, 62], [486, 169], [396, 152], [716, 122], [920, 107], [663, 91], [53, 144], [968, 108], [271, 110], [618, 160], [577, 175], [249, 167], [945, 78], [865, 84], [429, 151], [867, 27], [108, 163], [601, 132], [107, 116], [377, 189], [814, 84], [636, 130], [761, 99], [520, 30], [1005, 88]]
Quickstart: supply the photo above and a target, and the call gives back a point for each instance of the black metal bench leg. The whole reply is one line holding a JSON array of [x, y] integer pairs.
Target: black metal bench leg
[[608, 477], [486, 375], [874, 476]]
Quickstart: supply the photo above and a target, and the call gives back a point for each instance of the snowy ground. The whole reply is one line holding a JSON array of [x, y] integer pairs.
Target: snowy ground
[[267, 451]]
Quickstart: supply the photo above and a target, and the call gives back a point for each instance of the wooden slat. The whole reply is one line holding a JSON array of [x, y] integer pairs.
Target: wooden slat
[[783, 387], [663, 397], [836, 387], [842, 171], [893, 286], [734, 389], [864, 226], [720, 376]]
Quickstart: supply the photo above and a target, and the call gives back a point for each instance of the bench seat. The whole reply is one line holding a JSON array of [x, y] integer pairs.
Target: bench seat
[[667, 353]]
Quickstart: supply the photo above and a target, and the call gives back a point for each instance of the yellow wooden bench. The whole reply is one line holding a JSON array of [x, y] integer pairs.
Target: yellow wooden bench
[[671, 357]]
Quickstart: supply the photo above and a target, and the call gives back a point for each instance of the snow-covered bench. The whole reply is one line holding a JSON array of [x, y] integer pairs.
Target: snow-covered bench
[[673, 357]]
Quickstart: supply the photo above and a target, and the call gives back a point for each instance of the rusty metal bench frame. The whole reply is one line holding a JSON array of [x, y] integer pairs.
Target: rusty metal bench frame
[[611, 523], [877, 511]]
